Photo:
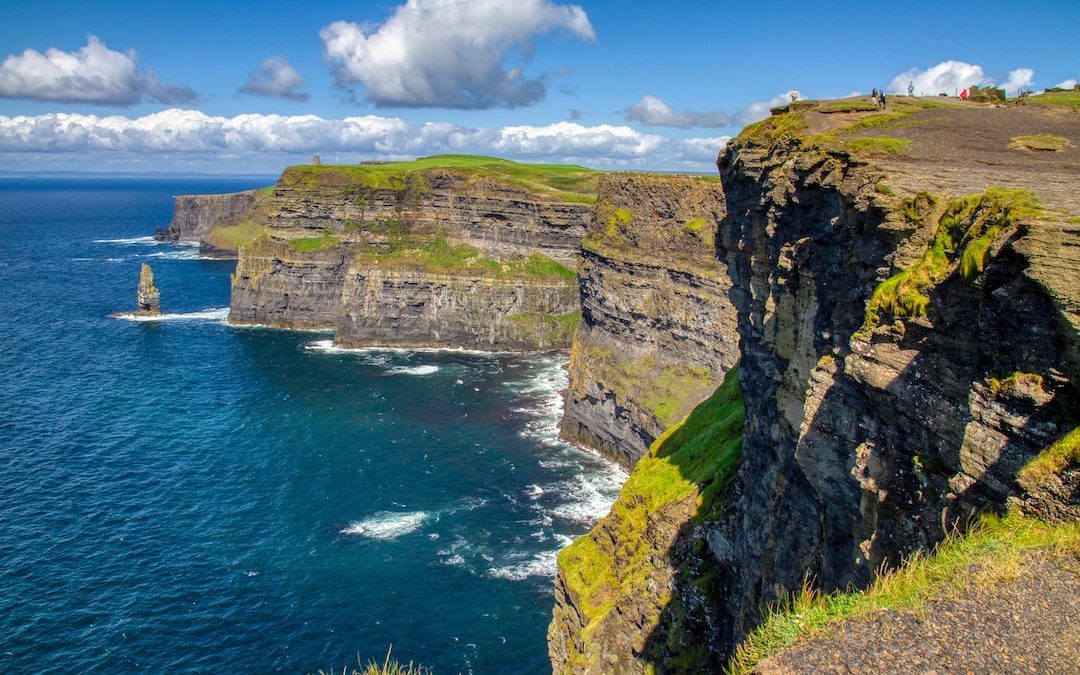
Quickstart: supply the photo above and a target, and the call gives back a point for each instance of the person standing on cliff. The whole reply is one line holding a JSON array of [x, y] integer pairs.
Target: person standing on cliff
[[910, 88]]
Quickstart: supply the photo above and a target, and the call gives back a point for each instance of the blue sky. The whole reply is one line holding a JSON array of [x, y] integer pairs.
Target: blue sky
[[169, 86]]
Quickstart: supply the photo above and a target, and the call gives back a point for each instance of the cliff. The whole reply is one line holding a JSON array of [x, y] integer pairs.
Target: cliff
[[907, 307], [221, 223], [657, 331], [445, 251]]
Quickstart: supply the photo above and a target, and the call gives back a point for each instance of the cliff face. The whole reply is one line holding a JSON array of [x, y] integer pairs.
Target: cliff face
[[907, 347], [499, 219], [195, 218], [434, 257], [658, 330]]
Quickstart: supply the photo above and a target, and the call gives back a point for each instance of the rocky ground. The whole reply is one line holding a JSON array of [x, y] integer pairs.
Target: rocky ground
[[1029, 625]]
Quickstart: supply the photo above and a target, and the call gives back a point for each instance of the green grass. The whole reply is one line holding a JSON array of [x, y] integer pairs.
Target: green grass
[[313, 244], [964, 236], [1041, 142], [440, 256], [1053, 461], [1055, 99], [988, 555], [562, 181], [877, 145], [698, 455], [884, 189], [559, 328], [847, 106], [387, 667], [232, 237]]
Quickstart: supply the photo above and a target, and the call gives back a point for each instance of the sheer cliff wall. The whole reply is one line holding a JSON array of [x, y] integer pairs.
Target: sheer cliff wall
[[908, 352], [425, 258], [195, 218], [657, 331]]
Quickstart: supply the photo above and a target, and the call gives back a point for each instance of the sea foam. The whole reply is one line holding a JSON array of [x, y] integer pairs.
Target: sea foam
[[386, 525], [211, 314]]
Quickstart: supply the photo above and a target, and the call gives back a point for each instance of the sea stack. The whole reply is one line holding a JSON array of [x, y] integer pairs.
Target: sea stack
[[148, 296]]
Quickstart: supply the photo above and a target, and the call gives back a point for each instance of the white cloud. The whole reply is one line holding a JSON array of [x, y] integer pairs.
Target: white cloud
[[759, 110], [702, 149], [1066, 84], [275, 77], [947, 77], [448, 53], [654, 111], [1018, 79], [93, 74], [175, 131]]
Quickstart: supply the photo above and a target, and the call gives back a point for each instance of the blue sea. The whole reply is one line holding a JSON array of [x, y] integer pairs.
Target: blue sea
[[181, 495]]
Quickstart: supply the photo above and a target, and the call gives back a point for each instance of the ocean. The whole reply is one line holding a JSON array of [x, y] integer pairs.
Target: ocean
[[181, 495]]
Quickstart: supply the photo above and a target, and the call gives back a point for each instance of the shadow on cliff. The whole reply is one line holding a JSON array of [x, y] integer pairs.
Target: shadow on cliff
[[887, 443]]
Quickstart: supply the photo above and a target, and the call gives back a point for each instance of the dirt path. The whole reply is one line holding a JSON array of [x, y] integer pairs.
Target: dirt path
[[1028, 625]]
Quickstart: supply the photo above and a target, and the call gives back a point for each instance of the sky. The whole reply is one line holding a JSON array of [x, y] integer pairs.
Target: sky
[[245, 87]]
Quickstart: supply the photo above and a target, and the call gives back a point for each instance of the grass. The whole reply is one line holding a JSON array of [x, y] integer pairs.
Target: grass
[[1053, 461], [387, 667], [987, 555], [441, 256], [877, 145], [232, 237], [313, 244], [964, 236], [1041, 142], [559, 328], [847, 106], [562, 181], [698, 455], [1055, 99]]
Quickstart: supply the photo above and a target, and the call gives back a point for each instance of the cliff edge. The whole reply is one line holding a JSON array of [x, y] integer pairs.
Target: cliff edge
[[906, 291]]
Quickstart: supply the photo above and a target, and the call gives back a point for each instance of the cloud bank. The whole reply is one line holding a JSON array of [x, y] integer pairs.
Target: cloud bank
[[92, 74], [275, 77], [448, 53], [173, 132], [655, 112], [952, 77]]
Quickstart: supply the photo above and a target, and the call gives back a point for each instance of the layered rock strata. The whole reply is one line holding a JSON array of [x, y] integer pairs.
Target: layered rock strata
[[432, 258], [658, 330], [907, 357], [196, 217], [147, 296]]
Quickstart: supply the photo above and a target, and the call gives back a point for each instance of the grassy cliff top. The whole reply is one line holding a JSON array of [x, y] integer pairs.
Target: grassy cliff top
[[565, 182]]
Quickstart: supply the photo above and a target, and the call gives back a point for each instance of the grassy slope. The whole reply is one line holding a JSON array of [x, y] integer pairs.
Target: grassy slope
[[561, 181], [699, 455], [439, 256], [988, 554]]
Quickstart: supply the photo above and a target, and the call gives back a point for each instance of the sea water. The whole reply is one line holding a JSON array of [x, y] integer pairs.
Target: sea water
[[181, 495]]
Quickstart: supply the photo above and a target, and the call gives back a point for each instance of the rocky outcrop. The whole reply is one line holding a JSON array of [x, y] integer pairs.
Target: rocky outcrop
[[658, 330], [147, 297], [905, 353], [197, 217], [433, 257]]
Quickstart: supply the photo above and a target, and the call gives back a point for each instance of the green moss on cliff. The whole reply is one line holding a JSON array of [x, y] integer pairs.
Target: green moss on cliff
[[965, 234], [562, 181], [312, 244], [440, 256], [694, 459], [988, 554], [1053, 461], [558, 327]]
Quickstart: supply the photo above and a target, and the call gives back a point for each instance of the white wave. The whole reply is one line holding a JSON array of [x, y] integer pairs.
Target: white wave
[[188, 254], [589, 495], [540, 565], [212, 314], [387, 525], [114, 260], [413, 370], [329, 347], [131, 241]]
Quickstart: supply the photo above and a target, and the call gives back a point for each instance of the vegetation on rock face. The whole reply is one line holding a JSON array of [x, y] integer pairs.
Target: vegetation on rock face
[[965, 233], [560, 327], [989, 554], [1042, 142], [447, 258], [564, 182], [695, 458], [1053, 461], [312, 244]]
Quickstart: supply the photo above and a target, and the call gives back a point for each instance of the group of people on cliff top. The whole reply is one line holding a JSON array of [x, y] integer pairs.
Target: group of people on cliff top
[[878, 97]]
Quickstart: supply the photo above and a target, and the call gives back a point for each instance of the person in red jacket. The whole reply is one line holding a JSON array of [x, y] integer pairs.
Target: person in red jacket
[[964, 95]]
